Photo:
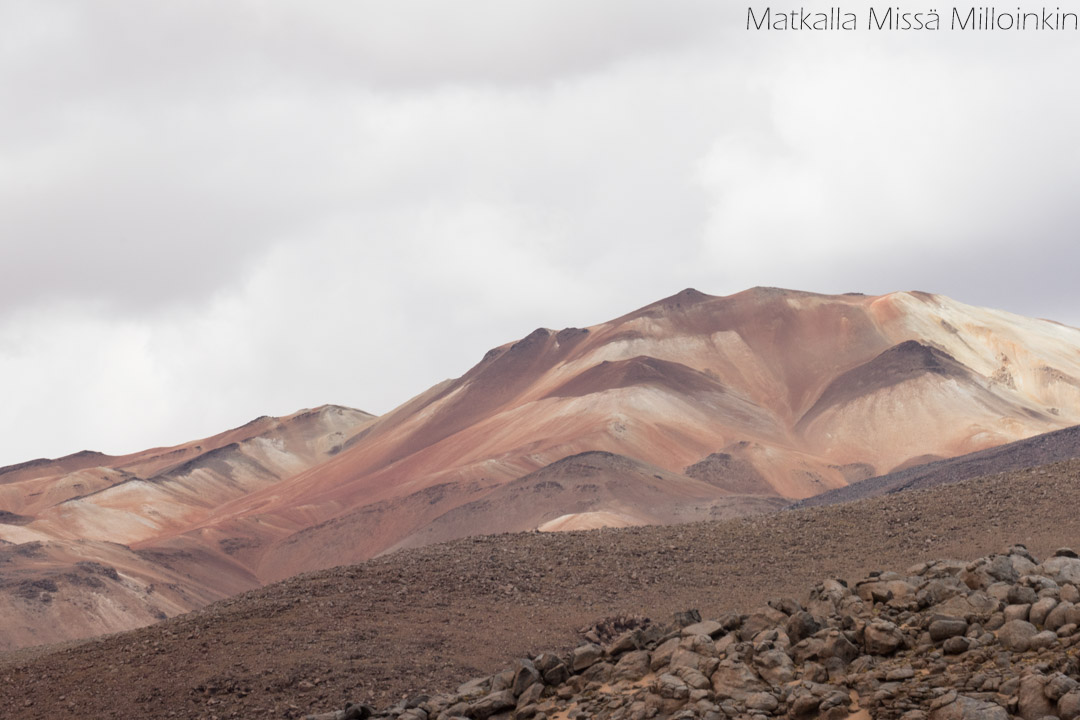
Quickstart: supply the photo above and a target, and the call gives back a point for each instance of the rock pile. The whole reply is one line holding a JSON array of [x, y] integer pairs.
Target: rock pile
[[948, 640]]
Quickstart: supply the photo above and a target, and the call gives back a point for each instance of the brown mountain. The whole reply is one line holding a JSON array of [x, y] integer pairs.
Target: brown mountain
[[790, 393], [85, 541], [689, 408]]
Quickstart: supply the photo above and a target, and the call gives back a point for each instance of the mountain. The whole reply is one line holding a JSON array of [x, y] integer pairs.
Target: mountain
[[85, 541], [779, 393], [693, 407]]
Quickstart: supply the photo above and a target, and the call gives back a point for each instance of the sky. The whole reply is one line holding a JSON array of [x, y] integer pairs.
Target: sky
[[215, 211]]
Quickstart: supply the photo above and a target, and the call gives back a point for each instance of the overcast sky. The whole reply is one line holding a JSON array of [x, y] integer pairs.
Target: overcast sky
[[211, 211]]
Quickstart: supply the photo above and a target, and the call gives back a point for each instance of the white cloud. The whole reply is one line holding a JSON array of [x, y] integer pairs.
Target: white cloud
[[212, 212]]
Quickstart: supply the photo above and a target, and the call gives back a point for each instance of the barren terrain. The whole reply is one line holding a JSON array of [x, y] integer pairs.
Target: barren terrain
[[691, 408], [429, 618]]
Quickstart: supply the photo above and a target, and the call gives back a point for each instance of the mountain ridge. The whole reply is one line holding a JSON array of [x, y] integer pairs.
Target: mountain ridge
[[789, 393]]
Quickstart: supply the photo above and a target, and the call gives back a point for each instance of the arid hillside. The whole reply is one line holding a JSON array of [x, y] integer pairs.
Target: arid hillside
[[427, 619], [767, 393], [1045, 449], [691, 408], [85, 540]]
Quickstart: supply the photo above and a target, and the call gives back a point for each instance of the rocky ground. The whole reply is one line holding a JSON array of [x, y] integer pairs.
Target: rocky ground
[[422, 621], [945, 640]]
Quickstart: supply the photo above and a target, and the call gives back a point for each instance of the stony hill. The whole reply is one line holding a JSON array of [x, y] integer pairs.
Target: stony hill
[[944, 640], [424, 620]]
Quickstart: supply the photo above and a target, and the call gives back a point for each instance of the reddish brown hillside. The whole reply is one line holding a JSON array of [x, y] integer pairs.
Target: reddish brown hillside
[[766, 394]]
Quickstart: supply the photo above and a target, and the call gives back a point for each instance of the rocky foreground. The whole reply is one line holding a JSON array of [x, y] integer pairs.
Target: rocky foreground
[[946, 640]]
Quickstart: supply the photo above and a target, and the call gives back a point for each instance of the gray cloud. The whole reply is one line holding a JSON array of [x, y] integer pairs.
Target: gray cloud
[[210, 212]]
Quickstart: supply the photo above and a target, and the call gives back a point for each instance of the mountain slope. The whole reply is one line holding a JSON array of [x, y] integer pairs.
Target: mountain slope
[[85, 541], [1033, 452], [811, 391], [699, 406], [422, 620]]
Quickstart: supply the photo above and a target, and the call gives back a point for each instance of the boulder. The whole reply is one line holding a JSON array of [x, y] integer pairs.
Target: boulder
[[1016, 612], [525, 675], [735, 680], [672, 687], [882, 638], [1059, 616], [584, 656], [1068, 705], [710, 628], [762, 701], [493, 704], [1040, 610], [801, 625], [662, 655], [1042, 640], [945, 628], [1032, 703], [966, 708], [956, 645], [632, 665], [553, 670], [1062, 569], [775, 667], [1059, 685], [764, 618], [838, 646], [685, 658], [693, 679], [1016, 635]]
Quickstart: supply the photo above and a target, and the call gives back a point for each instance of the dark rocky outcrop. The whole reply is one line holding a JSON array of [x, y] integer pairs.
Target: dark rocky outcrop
[[993, 639]]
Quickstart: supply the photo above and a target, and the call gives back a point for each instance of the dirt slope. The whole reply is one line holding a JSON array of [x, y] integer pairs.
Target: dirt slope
[[427, 618], [591, 490]]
